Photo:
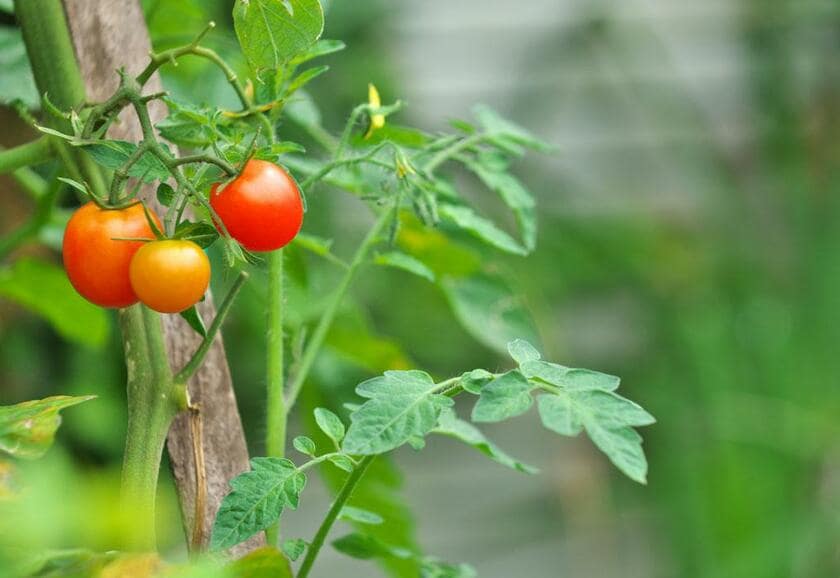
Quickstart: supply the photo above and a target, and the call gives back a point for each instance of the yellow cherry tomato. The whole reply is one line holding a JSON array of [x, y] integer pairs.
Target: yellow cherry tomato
[[170, 276]]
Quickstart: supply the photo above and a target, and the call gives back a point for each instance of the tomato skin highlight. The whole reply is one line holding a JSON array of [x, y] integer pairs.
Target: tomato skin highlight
[[97, 264], [170, 276], [262, 208]]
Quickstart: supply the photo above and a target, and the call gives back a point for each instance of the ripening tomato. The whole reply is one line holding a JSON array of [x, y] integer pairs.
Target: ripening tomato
[[261, 208], [95, 260], [170, 276]]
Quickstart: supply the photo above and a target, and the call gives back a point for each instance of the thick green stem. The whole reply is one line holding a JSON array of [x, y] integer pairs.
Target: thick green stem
[[332, 515], [51, 53], [324, 324], [152, 406], [152, 403], [56, 72], [25, 155], [275, 437]]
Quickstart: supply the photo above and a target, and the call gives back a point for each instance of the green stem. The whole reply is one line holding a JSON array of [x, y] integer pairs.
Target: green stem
[[25, 155], [332, 515], [159, 60], [204, 158], [444, 155], [331, 166], [348, 130], [53, 62], [151, 403], [31, 182], [275, 438], [151, 409], [324, 324], [40, 217], [198, 357], [51, 52]]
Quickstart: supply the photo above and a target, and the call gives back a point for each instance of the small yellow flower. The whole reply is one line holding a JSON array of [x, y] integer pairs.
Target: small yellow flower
[[377, 121]]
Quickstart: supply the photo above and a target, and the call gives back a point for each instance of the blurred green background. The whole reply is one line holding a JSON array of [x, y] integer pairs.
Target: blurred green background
[[689, 242]]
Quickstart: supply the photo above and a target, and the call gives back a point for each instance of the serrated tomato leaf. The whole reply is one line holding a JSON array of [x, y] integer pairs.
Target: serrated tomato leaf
[[256, 501], [401, 406]]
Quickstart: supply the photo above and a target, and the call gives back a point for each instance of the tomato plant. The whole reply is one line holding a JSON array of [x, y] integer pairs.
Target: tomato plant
[[223, 179], [261, 208]]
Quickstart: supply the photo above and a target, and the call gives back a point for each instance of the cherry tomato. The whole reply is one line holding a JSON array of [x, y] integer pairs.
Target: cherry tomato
[[96, 262], [171, 275], [261, 208]]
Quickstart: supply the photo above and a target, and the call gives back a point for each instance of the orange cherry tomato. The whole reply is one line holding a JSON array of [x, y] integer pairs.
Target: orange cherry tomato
[[95, 260], [170, 276], [261, 208]]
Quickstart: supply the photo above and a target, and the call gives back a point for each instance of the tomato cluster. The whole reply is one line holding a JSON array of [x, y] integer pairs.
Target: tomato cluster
[[113, 259]]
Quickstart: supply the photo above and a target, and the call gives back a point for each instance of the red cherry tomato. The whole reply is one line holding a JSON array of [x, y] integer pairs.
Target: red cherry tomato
[[261, 208], [171, 275], [96, 263]]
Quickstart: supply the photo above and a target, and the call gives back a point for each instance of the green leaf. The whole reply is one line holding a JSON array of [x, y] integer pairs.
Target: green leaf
[[473, 381], [265, 562], [558, 414], [522, 352], [506, 130], [342, 462], [402, 135], [27, 429], [321, 48], [330, 424], [18, 82], [405, 262], [468, 220], [318, 245], [608, 419], [294, 548], [359, 515], [514, 194], [505, 397], [202, 234], [569, 378], [365, 547], [188, 125], [274, 151], [304, 445], [112, 154], [81, 187], [165, 194], [305, 78], [401, 405], [490, 310], [256, 500], [43, 288], [450, 425], [195, 321], [624, 448], [272, 32]]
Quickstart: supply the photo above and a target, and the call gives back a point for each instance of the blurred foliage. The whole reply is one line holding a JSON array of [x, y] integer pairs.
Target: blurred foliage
[[728, 319]]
